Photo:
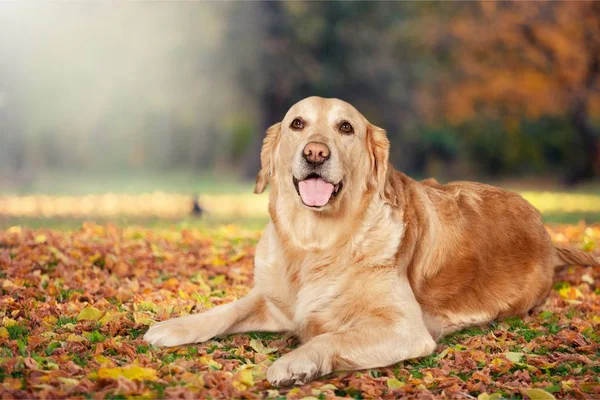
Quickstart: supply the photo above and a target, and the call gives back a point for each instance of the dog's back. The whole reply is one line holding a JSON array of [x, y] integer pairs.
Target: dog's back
[[482, 252]]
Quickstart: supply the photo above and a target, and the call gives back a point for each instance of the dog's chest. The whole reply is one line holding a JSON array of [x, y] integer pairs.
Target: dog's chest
[[305, 288], [316, 292], [310, 286]]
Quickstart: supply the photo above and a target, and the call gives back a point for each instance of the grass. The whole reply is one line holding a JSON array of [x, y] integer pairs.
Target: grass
[[75, 318], [75, 183], [207, 223], [250, 212], [197, 223], [168, 194]]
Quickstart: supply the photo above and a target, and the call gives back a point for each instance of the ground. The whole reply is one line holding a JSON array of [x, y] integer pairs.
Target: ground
[[75, 305], [77, 298]]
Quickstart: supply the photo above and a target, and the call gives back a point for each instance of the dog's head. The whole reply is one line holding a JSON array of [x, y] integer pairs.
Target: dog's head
[[324, 154]]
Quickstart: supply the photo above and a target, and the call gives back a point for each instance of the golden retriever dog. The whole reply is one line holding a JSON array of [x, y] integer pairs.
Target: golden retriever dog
[[367, 266]]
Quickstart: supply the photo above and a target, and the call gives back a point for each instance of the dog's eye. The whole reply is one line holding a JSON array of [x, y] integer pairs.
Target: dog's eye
[[297, 124], [346, 127]]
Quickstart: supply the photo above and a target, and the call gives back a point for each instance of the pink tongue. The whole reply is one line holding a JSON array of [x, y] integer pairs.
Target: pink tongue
[[315, 191]]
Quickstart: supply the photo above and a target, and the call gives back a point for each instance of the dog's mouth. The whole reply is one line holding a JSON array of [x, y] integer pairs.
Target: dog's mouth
[[315, 191]]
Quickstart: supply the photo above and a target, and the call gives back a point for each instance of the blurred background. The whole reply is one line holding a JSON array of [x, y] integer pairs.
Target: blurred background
[[154, 112]]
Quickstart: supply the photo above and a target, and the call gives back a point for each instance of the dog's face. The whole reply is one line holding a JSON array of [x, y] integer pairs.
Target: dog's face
[[324, 154]]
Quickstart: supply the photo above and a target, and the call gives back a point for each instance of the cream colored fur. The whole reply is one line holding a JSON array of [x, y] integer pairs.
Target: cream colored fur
[[384, 269]]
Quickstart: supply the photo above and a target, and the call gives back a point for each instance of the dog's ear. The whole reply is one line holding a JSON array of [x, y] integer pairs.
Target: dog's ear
[[267, 161], [381, 171]]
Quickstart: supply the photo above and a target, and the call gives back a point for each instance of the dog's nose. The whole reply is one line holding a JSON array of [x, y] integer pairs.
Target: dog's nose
[[316, 153]]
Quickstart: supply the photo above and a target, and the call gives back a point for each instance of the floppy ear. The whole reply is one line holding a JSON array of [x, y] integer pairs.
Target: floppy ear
[[381, 171], [266, 158]]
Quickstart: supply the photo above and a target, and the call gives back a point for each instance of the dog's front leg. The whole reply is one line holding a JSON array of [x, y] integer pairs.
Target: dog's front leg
[[384, 335], [250, 313]]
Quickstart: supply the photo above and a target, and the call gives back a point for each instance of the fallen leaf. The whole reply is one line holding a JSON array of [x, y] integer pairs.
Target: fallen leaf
[[75, 338], [514, 357], [259, 347], [394, 383], [494, 396], [131, 372], [89, 313], [538, 394]]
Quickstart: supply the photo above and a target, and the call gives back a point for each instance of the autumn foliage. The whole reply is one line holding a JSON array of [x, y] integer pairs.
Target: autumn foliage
[[515, 61], [74, 307]]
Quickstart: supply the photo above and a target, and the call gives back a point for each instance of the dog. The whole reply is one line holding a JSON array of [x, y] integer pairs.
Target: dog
[[367, 266]]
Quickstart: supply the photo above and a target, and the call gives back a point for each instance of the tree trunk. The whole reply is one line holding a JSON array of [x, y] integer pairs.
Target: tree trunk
[[273, 99], [590, 140]]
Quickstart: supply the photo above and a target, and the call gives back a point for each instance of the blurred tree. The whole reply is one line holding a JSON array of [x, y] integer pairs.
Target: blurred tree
[[477, 88], [13, 147], [521, 60], [361, 52]]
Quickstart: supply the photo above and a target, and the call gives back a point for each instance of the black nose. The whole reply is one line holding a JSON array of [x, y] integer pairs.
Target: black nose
[[316, 153]]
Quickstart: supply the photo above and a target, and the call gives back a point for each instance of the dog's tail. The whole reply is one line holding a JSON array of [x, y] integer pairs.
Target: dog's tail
[[568, 256]]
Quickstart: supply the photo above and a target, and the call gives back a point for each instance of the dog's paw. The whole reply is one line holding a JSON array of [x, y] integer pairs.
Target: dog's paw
[[168, 333], [293, 369], [178, 331]]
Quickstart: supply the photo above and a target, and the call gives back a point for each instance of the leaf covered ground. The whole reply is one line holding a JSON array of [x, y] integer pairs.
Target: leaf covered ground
[[75, 305]]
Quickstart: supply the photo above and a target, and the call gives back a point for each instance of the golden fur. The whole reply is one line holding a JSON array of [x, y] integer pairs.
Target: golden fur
[[385, 268]]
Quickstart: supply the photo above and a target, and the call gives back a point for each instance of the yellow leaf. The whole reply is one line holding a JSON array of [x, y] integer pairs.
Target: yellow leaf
[[537, 394], [75, 338], [69, 326], [259, 347], [217, 280], [44, 386], [570, 293], [393, 383], [8, 322], [514, 357], [498, 362], [142, 319], [197, 279], [567, 385], [204, 300], [3, 333], [131, 372], [89, 313], [14, 229], [243, 380], [95, 257], [238, 256], [193, 382], [39, 239], [428, 378], [210, 362], [218, 261], [68, 381], [328, 386], [444, 353], [485, 396], [102, 360], [109, 317], [49, 365], [49, 321], [148, 306], [527, 366]]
